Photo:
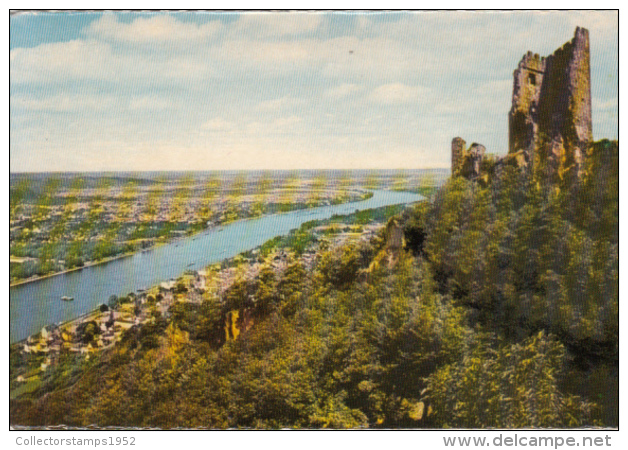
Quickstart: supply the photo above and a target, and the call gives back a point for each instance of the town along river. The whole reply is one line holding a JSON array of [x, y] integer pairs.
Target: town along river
[[34, 305]]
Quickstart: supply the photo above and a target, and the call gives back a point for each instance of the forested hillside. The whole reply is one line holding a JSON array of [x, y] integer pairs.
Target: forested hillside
[[494, 305]]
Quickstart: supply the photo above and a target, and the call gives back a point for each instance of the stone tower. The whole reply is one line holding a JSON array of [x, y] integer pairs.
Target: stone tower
[[458, 147], [551, 105]]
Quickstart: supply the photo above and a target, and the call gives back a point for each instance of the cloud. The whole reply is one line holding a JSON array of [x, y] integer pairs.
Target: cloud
[[89, 60], [64, 102], [156, 29], [487, 96], [397, 93], [88, 103], [267, 24], [109, 51], [417, 46], [218, 124], [106, 53], [149, 103], [605, 105], [56, 62], [285, 122], [279, 104], [343, 90], [601, 24]]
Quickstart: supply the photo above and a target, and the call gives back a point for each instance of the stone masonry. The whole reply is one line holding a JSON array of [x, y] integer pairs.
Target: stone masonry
[[466, 162], [550, 119], [551, 104], [458, 148]]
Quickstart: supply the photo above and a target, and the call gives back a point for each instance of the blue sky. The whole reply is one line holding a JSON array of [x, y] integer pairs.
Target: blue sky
[[205, 91]]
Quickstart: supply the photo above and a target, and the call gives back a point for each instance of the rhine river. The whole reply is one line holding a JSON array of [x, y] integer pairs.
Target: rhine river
[[34, 305]]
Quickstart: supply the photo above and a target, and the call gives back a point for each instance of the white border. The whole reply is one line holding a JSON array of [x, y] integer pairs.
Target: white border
[[313, 440]]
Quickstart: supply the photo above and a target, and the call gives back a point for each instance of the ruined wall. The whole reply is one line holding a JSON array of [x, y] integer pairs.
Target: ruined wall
[[523, 117], [472, 165], [551, 105], [466, 162]]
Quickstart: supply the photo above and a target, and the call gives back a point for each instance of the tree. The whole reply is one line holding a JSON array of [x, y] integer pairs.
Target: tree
[[266, 291], [340, 266], [513, 386], [87, 331], [211, 322], [290, 289], [238, 296], [113, 302]]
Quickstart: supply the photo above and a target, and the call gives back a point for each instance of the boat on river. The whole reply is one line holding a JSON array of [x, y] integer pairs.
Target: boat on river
[[65, 298]]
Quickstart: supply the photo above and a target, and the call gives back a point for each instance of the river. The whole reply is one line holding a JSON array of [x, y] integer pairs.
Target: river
[[34, 305]]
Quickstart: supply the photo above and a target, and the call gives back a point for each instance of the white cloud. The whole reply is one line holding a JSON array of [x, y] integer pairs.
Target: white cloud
[[397, 93], [84, 103], [92, 60], [279, 104], [263, 56], [285, 122], [485, 96], [156, 29], [50, 63], [605, 105], [218, 124], [149, 103], [64, 102], [108, 52], [424, 45], [599, 23], [343, 90], [266, 24]]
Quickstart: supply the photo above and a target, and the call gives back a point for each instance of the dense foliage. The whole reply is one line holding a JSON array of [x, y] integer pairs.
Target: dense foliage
[[500, 311]]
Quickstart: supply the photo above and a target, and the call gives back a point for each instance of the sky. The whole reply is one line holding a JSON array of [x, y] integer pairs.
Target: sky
[[257, 91]]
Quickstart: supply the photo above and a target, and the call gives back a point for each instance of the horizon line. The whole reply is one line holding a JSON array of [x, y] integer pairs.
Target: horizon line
[[226, 170]]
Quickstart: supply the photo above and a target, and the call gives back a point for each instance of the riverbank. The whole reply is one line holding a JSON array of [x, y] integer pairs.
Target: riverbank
[[74, 269]]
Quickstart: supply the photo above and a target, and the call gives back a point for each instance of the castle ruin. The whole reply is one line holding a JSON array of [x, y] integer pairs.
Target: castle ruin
[[551, 103], [466, 162], [550, 117]]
